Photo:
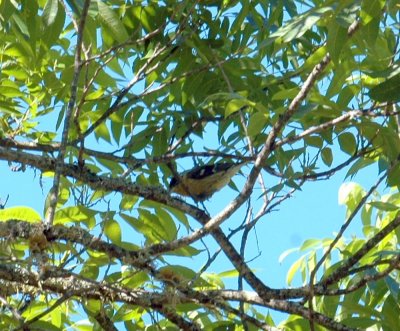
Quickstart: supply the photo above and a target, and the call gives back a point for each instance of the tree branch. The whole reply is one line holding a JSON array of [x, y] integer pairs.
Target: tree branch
[[67, 119]]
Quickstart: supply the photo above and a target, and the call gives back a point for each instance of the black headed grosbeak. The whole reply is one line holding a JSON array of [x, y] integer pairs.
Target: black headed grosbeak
[[202, 182]]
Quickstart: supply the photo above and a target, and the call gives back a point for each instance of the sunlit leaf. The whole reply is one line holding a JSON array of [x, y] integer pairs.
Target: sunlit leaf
[[294, 268], [235, 105], [112, 22], [349, 193], [113, 231], [22, 213], [50, 12]]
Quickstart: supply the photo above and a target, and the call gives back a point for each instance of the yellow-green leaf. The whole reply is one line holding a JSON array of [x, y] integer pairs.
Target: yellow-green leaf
[[235, 105], [349, 192], [113, 231], [20, 213], [293, 270]]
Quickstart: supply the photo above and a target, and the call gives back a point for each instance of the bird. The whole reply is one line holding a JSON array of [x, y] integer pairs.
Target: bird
[[201, 182]]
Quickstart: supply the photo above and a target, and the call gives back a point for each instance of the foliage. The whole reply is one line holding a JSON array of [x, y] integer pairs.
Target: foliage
[[108, 99]]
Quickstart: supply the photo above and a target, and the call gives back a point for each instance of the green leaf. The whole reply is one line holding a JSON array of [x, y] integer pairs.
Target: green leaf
[[366, 215], [315, 141], [286, 94], [187, 251], [233, 273], [369, 33], [310, 243], [147, 224], [386, 206], [113, 231], [337, 37], [168, 224], [358, 165], [299, 25], [50, 12], [257, 123], [10, 92], [235, 105], [347, 143], [371, 9], [160, 141], [127, 202], [359, 322], [75, 214], [22, 213], [391, 313], [389, 90], [111, 20], [172, 272], [327, 156], [7, 8], [393, 287]]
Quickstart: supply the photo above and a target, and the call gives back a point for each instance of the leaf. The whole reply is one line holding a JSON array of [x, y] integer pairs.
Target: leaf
[[298, 25], [286, 94], [235, 105], [389, 90], [393, 287], [176, 273], [229, 274], [350, 193], [358, 165], [147, 224], [167, 223], [366, 215], [327, 156], [310, 243], [391, 312], [337, 37], [10, 92], [347, 143], [160, 141], [286, 253], [112, 230], [293, 270], [187, 251], [75, 214], [111, 20], [50, 12], [21, 213], [361, 323], [386, 206], [371, 9], [315, 141], [369, 33], [257, 123]]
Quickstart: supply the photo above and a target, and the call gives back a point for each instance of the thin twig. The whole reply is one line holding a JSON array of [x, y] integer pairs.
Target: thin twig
[[67, 119]]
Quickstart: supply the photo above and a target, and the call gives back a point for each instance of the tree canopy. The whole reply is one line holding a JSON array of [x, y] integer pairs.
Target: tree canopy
[[109, 99]]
